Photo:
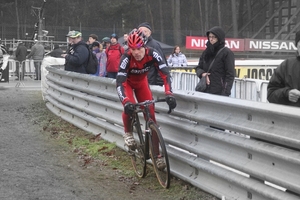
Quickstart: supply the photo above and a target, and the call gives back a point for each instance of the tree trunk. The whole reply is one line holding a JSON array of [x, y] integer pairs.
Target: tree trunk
[[206, 18], [177, 27], [18, 20], [219, 13], [249, 11], [234, 19], [162, 32]]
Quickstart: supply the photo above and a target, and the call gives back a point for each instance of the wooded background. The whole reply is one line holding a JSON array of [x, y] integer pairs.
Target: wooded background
[[171, 20]]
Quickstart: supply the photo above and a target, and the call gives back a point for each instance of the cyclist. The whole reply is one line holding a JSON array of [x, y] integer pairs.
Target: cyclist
[[132, 80]]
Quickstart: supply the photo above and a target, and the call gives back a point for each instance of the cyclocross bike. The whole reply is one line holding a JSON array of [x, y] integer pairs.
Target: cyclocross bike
[[144, 149]]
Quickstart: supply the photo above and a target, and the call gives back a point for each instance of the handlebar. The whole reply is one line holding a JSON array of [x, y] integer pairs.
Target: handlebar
[[149, 102]]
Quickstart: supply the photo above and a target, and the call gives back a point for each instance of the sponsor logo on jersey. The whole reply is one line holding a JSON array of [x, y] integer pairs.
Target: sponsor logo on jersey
[[124, 63], [140, 71], [157, 56]]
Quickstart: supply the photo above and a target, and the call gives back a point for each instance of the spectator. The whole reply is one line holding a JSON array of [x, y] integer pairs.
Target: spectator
[[177, 59], [284, 85], [56, 52], [221, 75], [124, 44], [153, 75], [78, 53], [37, 54], [105, 42], [113, 53], [101, 56], [21, 53], [92, 38]]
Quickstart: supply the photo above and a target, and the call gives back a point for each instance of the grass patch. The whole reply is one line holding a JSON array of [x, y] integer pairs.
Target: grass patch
[[93, 149]]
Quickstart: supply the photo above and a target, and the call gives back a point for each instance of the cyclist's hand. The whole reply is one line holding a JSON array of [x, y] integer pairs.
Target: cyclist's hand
[[171, 101], [128, 108]]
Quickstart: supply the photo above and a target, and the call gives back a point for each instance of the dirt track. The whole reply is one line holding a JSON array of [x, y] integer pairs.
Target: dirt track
[[35, 167]]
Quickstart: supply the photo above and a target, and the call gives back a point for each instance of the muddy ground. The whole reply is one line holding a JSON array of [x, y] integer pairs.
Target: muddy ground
[[34, 165]]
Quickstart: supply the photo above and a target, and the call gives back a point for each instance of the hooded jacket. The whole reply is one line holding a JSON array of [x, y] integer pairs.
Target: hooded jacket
[[284, 79], [222, 72]]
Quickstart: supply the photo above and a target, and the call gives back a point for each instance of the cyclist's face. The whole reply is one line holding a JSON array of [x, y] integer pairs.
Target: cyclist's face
[[138, 53]]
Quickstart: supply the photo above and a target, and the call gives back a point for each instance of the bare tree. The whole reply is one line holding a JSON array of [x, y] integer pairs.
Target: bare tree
[[219, 13], [176, 22], [162, 34], [234, 18], [18, 20]]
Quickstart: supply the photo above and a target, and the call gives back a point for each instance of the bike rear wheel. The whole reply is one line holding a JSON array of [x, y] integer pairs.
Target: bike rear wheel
[[138, 159], [163, 175]]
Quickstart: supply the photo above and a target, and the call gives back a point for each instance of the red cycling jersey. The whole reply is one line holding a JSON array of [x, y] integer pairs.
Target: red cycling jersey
[[135, 72], [132, 80]]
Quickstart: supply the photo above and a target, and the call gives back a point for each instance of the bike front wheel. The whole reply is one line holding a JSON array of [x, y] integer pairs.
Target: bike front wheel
[[159, 157], [138, 158]]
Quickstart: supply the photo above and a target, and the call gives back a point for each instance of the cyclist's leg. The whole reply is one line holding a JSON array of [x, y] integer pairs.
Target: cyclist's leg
[[128, 136]]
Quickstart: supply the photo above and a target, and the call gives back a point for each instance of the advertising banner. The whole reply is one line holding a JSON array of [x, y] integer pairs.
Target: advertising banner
[[236, 44]]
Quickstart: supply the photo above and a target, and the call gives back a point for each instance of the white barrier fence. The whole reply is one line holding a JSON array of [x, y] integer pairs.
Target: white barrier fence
[[260, 147], [28, 67], [250, 89]]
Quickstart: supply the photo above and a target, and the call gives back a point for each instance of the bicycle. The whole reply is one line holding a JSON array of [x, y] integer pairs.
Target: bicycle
[[144, 150]]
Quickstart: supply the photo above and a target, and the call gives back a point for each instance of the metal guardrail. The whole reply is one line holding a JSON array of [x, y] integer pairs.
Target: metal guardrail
[[261, 143]]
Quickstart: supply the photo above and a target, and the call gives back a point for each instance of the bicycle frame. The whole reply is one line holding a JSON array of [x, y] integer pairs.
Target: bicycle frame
[[145, 148], [146, 112]]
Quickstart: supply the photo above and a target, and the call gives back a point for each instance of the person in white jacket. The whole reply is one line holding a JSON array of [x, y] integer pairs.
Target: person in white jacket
[[177, 59]]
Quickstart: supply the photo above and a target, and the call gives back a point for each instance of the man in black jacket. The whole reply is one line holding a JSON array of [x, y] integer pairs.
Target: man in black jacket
[[21, 53], [153, 75], [284, 85], [78, 53]]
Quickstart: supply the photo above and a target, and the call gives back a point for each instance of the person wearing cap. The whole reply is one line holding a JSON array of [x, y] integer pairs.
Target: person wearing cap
[[153, 76], [101, 56], [21, 53], [113, 53], [37, 54], [105, 42], [77, 54], [284, 85], [56, 52], [222, 72]]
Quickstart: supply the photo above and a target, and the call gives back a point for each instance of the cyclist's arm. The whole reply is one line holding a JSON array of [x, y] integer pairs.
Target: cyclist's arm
[[122, 77]]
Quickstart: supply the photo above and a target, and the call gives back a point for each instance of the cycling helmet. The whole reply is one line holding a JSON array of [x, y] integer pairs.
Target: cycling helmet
[[136, 39]]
